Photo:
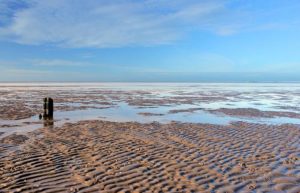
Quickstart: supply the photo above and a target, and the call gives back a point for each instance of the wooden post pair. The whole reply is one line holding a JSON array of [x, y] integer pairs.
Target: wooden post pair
[[48, 108]]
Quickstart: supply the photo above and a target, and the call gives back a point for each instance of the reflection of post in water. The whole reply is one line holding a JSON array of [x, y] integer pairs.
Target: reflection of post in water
[[48, 123], [48, 112]]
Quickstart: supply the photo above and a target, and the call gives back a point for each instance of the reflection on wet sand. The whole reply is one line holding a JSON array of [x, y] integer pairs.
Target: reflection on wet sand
[[197, 103], [48, 123], [156, 138]]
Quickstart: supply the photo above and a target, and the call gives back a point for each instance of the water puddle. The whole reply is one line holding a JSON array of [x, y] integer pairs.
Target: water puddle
[[123, 112], [265, 97]]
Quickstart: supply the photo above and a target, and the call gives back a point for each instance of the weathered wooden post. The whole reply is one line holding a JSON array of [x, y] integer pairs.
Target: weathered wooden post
[[48, 108]]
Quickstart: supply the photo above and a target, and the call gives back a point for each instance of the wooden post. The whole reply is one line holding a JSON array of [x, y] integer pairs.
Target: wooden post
[[48, 108]]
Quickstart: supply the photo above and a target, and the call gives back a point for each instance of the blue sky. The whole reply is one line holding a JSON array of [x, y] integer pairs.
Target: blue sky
[[150, 40]]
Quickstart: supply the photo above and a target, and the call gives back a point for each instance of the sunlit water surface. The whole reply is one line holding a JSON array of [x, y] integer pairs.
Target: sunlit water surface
[[260, 96]]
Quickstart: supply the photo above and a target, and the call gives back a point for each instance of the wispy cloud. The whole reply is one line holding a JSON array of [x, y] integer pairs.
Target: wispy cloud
[[6, 63], [8, 9], [40, 75], [111, 23], [40, 62], [27, 72], [102, 23], [56, 62]]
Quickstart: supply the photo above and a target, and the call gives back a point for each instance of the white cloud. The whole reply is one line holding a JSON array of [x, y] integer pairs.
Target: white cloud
[[5, 63], [102, 23], [8, 73], [105, 23], [38, 62], [56, 62], [27, 72]]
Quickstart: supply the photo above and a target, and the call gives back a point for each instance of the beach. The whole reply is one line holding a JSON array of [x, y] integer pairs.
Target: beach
[[151, 138]]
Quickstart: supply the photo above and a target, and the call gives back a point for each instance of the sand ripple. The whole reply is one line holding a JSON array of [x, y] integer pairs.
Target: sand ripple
[[130, 157]]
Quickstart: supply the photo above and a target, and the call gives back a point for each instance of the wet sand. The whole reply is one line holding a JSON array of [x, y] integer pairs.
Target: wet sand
[[150, 114], [93, 156], [103, 156], [251, 112], [21, 101], [190, 110]]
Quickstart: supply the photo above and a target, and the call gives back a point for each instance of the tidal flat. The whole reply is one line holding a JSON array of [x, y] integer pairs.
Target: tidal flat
[[150, 137]]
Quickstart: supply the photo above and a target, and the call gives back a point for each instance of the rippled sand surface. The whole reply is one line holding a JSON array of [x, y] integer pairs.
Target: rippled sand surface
[[99, 156], [206, 138]]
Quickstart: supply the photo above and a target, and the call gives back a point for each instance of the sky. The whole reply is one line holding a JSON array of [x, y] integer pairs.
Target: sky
[[150, 40]]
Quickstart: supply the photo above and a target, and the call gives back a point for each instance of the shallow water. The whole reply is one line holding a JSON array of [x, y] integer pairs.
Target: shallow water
[[259, 96]]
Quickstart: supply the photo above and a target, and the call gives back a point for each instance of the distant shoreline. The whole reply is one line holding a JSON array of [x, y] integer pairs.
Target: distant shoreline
[[140, 82]]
